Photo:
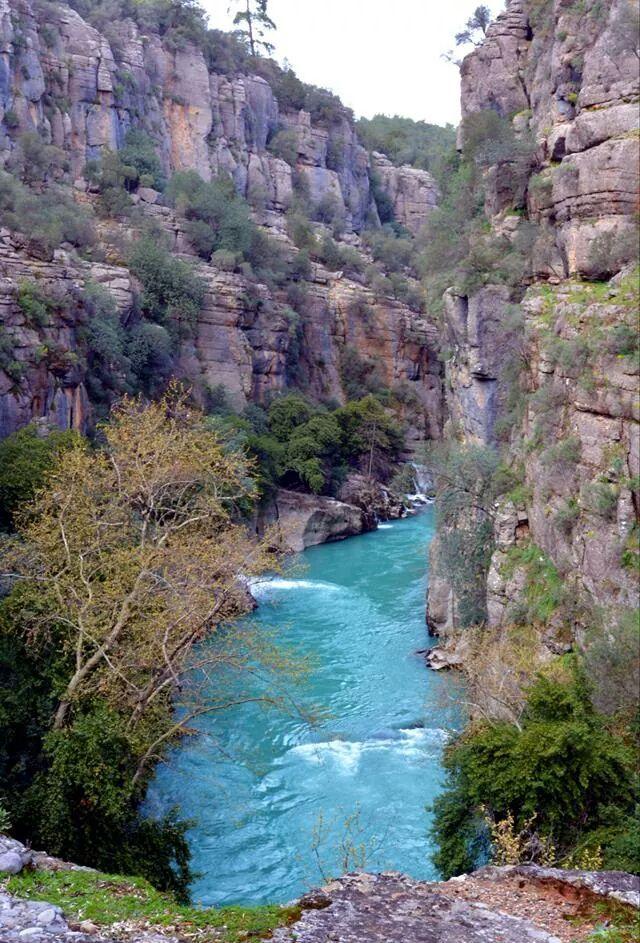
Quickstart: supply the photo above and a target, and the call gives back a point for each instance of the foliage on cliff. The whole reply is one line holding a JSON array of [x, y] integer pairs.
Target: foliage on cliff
[[300, 445], [404, 141]]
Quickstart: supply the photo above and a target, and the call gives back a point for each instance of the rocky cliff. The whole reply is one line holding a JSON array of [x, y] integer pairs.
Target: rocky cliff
[[81, 92], [511, 904], [547, 371]]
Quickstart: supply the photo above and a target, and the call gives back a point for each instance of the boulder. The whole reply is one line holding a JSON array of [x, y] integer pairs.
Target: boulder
[[306, 520], [11, 862]]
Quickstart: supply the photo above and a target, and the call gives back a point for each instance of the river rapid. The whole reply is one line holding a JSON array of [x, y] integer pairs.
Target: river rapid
[[279, 802]]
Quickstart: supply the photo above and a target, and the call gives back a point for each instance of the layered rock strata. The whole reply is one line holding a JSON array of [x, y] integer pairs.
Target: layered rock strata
[[551, 376]]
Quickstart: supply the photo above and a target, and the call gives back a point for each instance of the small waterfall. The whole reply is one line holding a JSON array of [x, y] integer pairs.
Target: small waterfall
[[423, 485], [422, 478]]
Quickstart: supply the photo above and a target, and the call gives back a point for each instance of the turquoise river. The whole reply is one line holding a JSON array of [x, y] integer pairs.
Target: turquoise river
[[276, 801]]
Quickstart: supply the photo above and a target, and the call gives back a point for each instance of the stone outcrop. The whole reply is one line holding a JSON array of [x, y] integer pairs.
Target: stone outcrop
[[413, 192], [306, 520], [511, 905], [372, 497], [570, 75], [552, 368], [84, 90]]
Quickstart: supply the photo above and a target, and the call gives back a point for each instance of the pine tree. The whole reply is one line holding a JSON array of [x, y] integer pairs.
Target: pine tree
[[475, 29], [253, 23]]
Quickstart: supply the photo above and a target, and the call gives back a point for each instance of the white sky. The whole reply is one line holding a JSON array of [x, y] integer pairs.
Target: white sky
[[378, 55]]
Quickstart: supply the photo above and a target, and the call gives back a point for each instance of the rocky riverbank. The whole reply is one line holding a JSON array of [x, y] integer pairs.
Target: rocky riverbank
[[523, 904]]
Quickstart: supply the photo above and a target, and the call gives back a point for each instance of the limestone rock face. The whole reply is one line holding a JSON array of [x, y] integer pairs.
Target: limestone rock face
[[476, 339], [47, 381], [413, 192], [83, 92], [549, 374], [571, 77], [243, 340], [582, 476]]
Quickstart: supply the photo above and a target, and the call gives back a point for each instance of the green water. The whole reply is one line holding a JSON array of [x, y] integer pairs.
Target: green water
[[263, 787]]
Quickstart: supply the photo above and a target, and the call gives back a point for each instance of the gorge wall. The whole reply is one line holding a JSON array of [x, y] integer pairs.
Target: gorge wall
[[81, 92], [548, 372]]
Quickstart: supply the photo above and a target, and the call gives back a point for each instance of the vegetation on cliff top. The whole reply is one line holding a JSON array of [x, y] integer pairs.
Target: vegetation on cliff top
[[105, 899]]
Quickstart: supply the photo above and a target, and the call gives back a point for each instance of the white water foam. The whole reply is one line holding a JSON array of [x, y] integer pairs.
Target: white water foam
[[260, 586], [385, 526], [431, 735], [345, 755]]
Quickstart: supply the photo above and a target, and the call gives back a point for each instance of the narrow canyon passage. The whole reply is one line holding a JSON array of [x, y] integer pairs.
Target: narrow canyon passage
[[267, 790]]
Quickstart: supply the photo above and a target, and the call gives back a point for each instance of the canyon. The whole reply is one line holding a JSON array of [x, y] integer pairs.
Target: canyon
[[536, 370]]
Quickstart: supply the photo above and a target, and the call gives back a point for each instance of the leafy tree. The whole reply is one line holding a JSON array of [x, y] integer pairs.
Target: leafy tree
[[312, 450], [139, 151], [128, 558], [288, 412], [108, 366], [150, 352], [369, 432], [467, 484], [475, 29], [253, 23]]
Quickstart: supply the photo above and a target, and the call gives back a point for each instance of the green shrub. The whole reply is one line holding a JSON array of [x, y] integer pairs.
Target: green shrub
[[384, 203], [543, 591], [564, 455], [300, 230], [330, 211], [623, 340], [490, 139], [36, 305], [284, 144], [359, 375], [11, 119], [47, 219], [13, 368], [395, 253], [139, 151], [601, 498], [150, 352], [219, 219], [566, 516], [35, 161], [172, 292], [108, 371], [562, 768], [26, 457], [325, 108]]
